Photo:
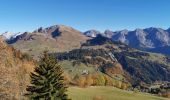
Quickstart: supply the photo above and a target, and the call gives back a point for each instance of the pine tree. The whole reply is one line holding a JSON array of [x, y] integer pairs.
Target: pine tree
[[47, 82]]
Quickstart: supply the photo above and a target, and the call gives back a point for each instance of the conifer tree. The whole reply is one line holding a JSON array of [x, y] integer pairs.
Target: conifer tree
[[47, 82]]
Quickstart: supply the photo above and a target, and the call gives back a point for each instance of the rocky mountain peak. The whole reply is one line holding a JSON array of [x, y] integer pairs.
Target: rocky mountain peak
[[7, 35], [92, 33], [108, 33]]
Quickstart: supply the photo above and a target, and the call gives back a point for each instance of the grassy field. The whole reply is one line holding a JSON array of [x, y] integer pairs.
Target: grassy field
[[108, 93]]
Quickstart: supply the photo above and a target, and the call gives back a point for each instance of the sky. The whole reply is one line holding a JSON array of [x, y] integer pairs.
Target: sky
[[28, 15]]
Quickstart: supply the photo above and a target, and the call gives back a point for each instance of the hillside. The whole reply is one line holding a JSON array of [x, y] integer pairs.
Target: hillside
[[135, 60], [92, 67], [14, 72], [135, 66]]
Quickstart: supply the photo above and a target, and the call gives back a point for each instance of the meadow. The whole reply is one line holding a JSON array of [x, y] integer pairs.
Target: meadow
[[108, 93]]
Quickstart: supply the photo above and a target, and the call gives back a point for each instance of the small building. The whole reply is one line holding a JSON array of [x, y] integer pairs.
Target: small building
[[85, 72]]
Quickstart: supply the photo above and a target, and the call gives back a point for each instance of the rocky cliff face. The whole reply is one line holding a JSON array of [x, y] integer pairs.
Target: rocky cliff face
[[140, 38], [144, 38], [149, 39]]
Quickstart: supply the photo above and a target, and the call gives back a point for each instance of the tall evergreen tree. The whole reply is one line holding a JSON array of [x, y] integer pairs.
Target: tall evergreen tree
[[47, 82]]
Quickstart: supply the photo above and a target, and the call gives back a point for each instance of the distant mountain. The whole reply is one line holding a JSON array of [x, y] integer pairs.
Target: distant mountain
[[9, 35], [149, 39], [144, 38], [92, 33], [108, 33], [55, 38], [64, 38], [119, 36]]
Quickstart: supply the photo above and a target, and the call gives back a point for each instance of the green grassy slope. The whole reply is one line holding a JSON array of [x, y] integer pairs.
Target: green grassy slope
[[77, 69], [108, 93]]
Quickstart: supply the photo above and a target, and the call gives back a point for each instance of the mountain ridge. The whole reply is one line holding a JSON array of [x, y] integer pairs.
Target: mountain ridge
[[148, 39]]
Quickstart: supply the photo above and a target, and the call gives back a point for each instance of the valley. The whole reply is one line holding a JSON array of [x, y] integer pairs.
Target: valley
[[95, 60], [84, 50]]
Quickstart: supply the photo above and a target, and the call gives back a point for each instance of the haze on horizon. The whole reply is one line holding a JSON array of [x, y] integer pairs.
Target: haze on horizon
[[27, 15]]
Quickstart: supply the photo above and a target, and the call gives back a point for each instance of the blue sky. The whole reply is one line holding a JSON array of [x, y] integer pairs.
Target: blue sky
[[27, 15]]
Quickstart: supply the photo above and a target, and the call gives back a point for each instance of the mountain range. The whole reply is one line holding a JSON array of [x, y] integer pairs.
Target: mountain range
[[148, 39]]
